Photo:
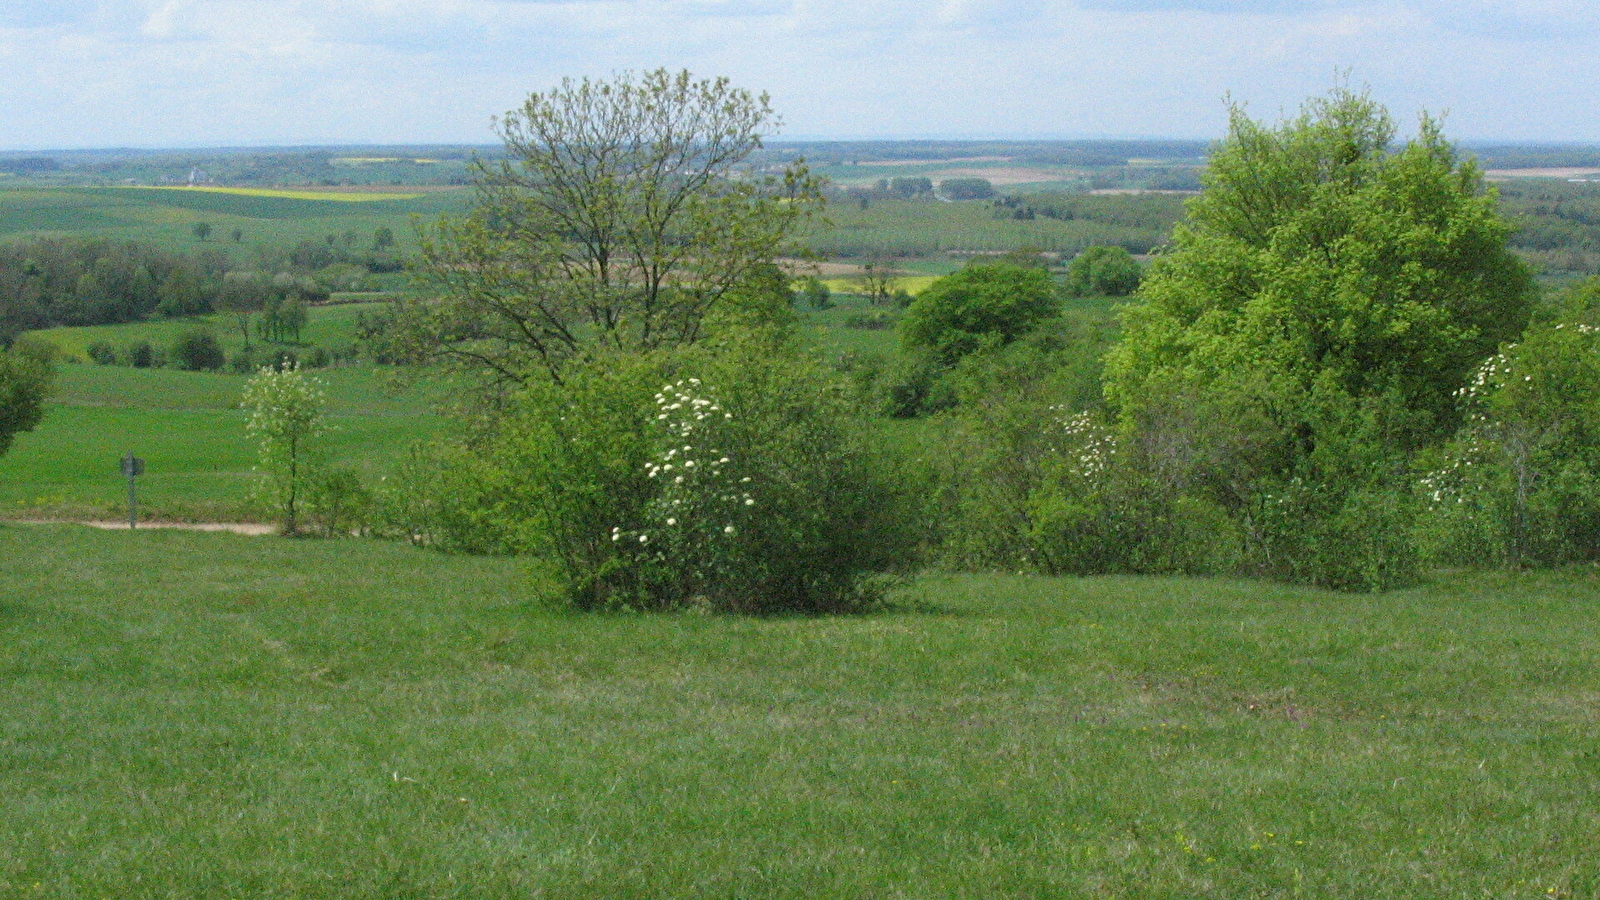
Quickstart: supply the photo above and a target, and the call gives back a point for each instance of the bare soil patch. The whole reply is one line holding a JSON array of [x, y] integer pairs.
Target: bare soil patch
[[926, 162], [1005, 174], [1556, 172], [253, 529], [1111, 191]]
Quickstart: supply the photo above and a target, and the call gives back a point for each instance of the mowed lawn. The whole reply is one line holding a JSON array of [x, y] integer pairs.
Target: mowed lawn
[[189, 429], [210, 716]]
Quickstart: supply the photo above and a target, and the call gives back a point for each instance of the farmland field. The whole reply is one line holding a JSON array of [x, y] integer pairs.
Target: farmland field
[[329, 195], [897, 228], [189, 429], [327, 326], [167, 216], [197, 716]]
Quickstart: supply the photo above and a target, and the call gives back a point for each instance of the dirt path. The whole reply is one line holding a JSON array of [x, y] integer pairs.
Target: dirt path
[[249, 528]]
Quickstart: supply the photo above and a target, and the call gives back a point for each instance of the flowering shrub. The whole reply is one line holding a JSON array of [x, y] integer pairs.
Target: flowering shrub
[[1521, 482], [285, 407], [774, 500], [700, 500], [748, 486]]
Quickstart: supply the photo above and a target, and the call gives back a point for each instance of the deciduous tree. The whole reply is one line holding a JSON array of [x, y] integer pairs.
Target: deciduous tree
[[981, 307], [285, 408], [622, 214], [1323, 300], [26, 371]]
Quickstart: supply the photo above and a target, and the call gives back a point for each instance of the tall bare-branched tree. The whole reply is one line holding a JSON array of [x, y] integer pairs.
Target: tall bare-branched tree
[[622, 214]]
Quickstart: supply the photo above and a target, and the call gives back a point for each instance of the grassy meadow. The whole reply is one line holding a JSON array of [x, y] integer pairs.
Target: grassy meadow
[[329, 327], [913, 228], [201, 715], [188, 428], [215, 716], [269, 220]]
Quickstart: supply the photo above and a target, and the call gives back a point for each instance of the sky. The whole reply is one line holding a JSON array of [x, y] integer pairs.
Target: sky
[[238, 73]]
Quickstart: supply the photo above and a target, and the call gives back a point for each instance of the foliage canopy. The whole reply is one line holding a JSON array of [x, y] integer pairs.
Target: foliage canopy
[[26, 371], [1103, 271], [980, 307], [1324, 298], [622, 214]]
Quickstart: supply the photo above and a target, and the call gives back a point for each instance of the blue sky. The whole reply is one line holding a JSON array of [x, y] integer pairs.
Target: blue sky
[[168, 73]]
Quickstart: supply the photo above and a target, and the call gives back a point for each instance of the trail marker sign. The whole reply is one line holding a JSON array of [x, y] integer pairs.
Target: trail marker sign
[[132, 467]]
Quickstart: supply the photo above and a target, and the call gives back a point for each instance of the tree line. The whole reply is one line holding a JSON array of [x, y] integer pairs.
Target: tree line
[[1337, 373], [50, 282], [54, 282]]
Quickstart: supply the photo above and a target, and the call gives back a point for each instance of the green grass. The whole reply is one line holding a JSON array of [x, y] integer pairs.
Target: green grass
[[922, 228], [166, 218], [826, 328], [191, 434], [214, 716], [326, 326]]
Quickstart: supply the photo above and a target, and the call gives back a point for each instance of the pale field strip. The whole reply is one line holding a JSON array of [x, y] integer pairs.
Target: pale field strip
[[331, 195], [378, 160], [1554, 172], [934, 162], [250, 529]]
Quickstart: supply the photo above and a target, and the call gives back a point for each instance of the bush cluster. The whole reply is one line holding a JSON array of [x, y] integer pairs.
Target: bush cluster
[[1334, 385], [735, 476]]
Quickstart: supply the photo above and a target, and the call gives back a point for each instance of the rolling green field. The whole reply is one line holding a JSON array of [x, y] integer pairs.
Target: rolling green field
[[189, 429], [280, 219], [166, 217], [201, 716], [326, 326], [896, 228]]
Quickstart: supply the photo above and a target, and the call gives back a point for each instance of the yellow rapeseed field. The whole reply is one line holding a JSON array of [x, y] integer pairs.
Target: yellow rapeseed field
[[335, 196], [911, 284]]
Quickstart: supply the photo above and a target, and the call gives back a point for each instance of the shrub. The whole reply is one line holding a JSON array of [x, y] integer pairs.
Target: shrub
[[1520, 484], [1103, 271], [27, 369], [814, 293], [141, 355], [102, 353], [1356, 539], [337, 504], [1041, 488], [876, 320], [197, 350], [978, 308], [244, 362], [747, 486], [285, 419]]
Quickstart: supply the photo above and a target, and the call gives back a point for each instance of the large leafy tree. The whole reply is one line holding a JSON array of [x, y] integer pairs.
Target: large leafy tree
[[1319, 306], [622, 214], [25, 375], [981, 307]]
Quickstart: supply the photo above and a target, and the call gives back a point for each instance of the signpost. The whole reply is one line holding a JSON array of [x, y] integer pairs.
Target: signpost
[[132, 467]]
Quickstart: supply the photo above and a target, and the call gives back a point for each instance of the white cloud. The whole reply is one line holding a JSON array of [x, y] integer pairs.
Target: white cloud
[[163, 72]]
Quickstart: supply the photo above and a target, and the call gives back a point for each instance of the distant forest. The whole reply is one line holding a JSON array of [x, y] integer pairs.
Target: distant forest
[[1558, 220], [444, 164]]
